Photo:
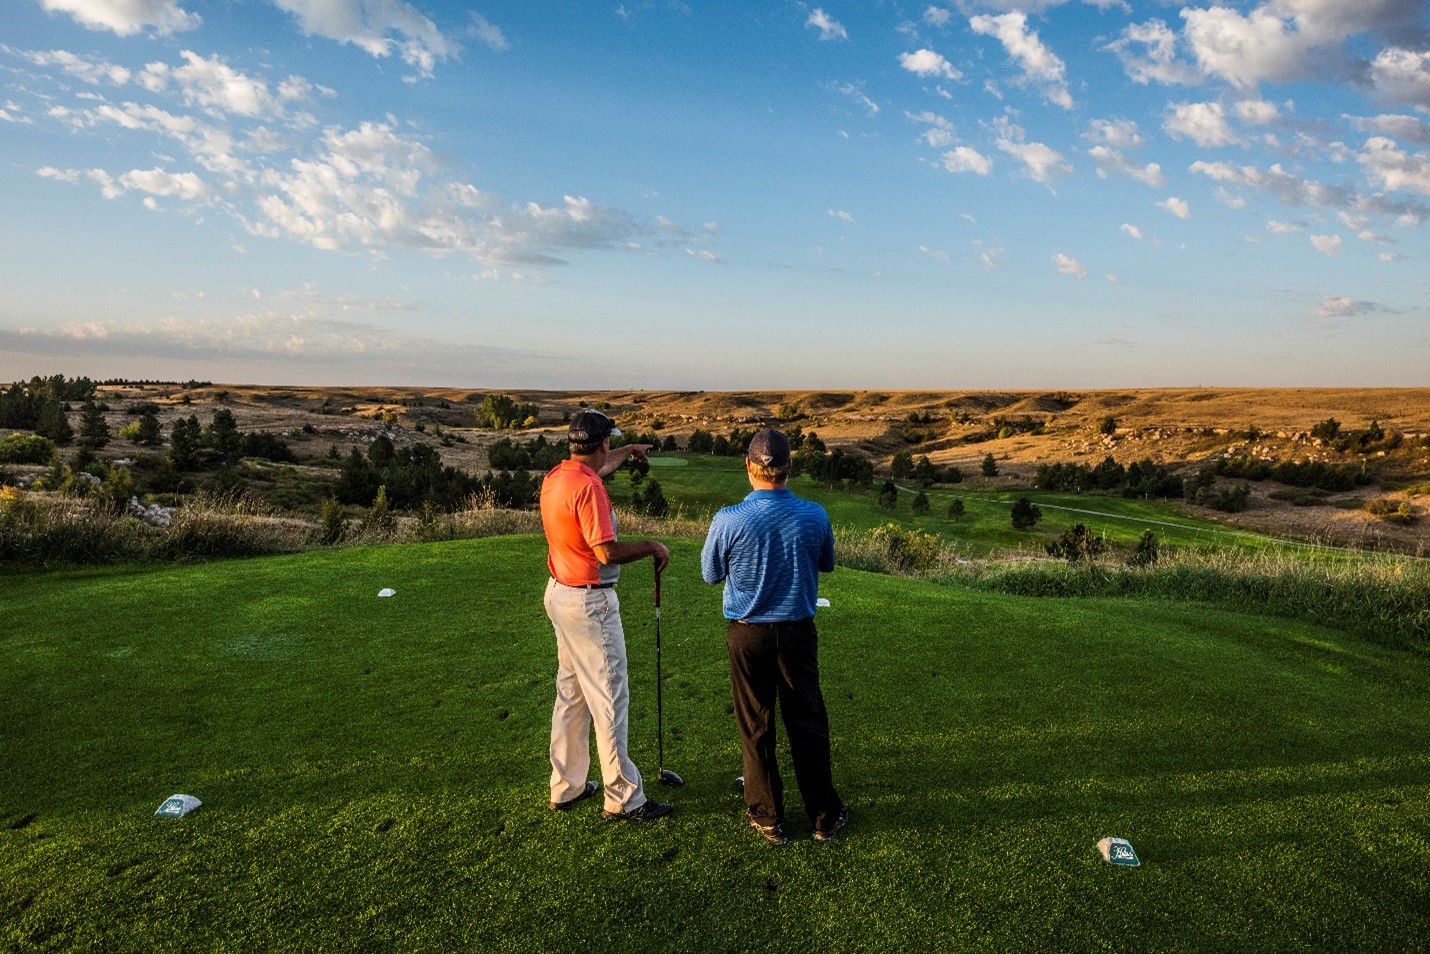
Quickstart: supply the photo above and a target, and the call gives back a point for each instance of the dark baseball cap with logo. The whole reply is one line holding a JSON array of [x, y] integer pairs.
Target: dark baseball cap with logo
[[589, 428], [769, 448]]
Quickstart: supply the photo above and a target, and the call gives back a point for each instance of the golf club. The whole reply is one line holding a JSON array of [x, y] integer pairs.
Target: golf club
[[667, 777]]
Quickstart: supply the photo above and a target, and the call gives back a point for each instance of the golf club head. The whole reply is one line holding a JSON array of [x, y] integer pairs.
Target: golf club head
[[670, 779]]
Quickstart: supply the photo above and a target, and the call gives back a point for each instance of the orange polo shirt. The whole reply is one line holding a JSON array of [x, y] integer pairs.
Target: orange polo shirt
[[576, 515]]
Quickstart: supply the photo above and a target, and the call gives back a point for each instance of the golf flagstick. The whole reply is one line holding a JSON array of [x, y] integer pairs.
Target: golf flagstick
[[667, 777]]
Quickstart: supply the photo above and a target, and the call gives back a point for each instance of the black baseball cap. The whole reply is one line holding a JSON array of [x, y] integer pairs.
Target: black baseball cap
[[769, 448], [589, 428]]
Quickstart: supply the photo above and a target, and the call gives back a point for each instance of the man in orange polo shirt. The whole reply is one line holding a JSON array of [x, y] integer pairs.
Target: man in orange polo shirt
[[592, 688]]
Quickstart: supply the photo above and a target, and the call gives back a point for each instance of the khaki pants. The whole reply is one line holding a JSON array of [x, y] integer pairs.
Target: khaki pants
[[592, 691]]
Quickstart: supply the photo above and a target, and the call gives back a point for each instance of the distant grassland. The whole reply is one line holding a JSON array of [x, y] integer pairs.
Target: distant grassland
[[703, 484], [373, 771]]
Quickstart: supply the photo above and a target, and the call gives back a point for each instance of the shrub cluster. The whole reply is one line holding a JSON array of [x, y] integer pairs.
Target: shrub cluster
[[535, 454], [498, 412], [415, 474], [905, 466], [26, 449], [1390, 510]]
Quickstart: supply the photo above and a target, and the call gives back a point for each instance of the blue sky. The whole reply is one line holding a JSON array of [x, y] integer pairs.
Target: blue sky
[[655, 194]]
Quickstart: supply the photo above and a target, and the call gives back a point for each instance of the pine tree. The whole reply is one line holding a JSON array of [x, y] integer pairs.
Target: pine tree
[[149, 433], [93, 428], [53, 422]]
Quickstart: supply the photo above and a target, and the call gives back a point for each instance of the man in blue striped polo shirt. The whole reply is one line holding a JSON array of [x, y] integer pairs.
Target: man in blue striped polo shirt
[[769, 550]]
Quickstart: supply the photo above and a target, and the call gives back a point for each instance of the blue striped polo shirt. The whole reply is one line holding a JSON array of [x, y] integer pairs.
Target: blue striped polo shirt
[[769, 549]]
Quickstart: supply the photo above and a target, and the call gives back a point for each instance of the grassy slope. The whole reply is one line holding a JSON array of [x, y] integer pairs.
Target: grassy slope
[[373, 771]]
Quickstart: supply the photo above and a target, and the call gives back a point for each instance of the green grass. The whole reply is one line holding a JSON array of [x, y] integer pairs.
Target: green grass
[[373, 771]]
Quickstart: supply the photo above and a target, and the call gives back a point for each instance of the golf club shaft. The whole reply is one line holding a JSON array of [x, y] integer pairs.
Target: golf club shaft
[[659, 722]]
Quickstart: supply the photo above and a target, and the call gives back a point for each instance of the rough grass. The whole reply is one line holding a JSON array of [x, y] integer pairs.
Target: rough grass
[[1384, 599]]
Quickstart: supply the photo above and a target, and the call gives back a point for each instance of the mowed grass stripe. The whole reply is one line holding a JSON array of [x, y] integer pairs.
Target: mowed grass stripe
[[373, 770]]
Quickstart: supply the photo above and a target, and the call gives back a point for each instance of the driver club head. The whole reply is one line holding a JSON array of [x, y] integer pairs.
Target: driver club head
[[670, 779]]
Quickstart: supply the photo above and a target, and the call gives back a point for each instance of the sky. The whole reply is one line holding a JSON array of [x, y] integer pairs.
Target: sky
[[677, 194]]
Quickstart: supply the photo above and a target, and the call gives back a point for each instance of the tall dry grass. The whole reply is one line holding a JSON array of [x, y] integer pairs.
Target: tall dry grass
[[1383, 598]]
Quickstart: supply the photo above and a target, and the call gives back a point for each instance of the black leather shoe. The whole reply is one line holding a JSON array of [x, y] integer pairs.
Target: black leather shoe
[[827, 834], [591, 789], [647, 811]]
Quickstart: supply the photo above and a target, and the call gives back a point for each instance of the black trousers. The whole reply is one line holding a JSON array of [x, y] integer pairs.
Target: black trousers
[[779, 662]]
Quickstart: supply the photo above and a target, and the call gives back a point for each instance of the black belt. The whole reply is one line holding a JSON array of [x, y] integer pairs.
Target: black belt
[[588, 586]]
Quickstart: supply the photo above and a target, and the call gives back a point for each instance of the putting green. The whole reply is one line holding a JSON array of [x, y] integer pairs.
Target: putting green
[[668, 461]]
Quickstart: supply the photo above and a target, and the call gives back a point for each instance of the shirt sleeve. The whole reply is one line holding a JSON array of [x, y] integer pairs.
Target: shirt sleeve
[[593, 513], [826, 550], [712, 555]]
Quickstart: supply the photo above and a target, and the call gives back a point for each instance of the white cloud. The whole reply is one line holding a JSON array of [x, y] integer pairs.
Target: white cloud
[[1403, 76], [1040, 161], [1256, 112], [1203, 123], [127, 17], [1287, 40], [856, 92], [1040, 65], [938, 16], [367, 24], [182, 185], [488, 32], [940, 131], [1132, 230], [1156, 60], [60, 175], [1400, 126], [1282, 41], [93, 72], [1109, 160], [369, 187], [211, 146], [841, 215], [1116, 133], [1290, 189], [1069, 266], [828, 27], [990, 259], [1226, 198], [1114, 136], [965, 159], [214, 86], [937, 255], [1244, 50], [928, 64], [1393, 168], [107, 186], [1327, 244], [1176, 206], [311, 334], [1337, 306], [1284, 228]]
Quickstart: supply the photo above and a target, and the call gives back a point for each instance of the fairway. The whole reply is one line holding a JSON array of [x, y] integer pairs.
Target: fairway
[[373, 771], [699, 484]]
